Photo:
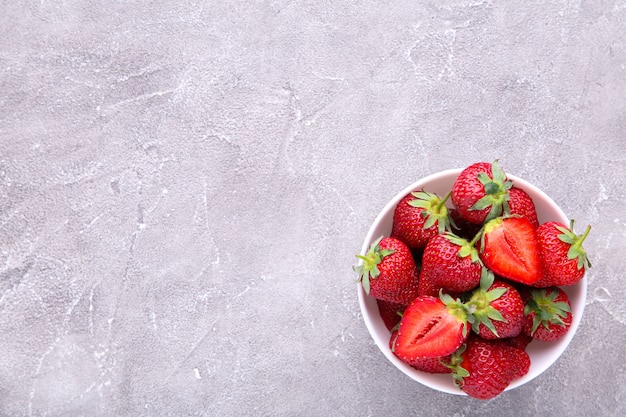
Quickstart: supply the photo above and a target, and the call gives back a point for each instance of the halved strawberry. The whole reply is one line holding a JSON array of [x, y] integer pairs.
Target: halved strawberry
[[510, 249], [430, 365], [431, 328]]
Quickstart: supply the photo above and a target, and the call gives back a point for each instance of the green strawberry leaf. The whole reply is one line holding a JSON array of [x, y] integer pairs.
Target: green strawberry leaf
[[434, 210], [486, 279], [458, 372], [479, 304], [495, 294], [465, 248], [494, 314], [497, 172], [576, 250], [546, 311], [496, 192], [368, 268], [562, 308], [366, 283]]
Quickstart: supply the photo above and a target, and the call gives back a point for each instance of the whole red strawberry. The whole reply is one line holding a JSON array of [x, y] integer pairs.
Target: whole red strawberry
[[497, 308], [451, 263], [419, 216], [520, 361], [431, 328], [520, 341], [563, 257], [388, 271], [510, 249], [481, 192], [390, 313], [521, 204], [483, 369], [430, 365], [425, 286], [548, 314]]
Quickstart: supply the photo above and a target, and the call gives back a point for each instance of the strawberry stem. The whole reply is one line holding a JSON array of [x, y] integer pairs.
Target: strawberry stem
[[434, 210], [442, 202], [476, 237], [576, 250], [583, 236], [583, 260]]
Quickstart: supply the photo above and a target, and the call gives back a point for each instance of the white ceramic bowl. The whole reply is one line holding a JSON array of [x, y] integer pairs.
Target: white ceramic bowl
[[542, 355]]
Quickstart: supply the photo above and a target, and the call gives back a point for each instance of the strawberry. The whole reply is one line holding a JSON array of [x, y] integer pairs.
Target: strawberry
[[521, 204], [563, 257], [510, 249], [419, 216], [426, 286], [390, 313], [431, 328], [480, 192], [484, 368], [451, 263], [388, 271], [497, 308], [520, 361], [430, 365], [520, 341], [548, 314]]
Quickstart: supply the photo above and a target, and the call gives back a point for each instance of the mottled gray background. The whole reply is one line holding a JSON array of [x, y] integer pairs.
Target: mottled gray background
[[184, 184]]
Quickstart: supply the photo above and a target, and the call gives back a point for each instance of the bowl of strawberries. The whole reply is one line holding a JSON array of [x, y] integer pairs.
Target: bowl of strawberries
[[472, 281]]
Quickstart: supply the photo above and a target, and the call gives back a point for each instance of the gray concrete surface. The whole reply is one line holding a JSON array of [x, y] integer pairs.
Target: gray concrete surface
[[183, 187]]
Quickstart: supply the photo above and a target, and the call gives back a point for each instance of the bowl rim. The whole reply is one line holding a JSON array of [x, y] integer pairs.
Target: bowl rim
[[444, 382]]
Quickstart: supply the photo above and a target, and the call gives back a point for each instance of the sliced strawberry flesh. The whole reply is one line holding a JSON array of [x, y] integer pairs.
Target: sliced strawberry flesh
[[428, 330], [511, 250]]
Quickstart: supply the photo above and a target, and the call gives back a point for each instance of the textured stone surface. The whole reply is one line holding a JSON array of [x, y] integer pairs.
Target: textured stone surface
[[183, 187]]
